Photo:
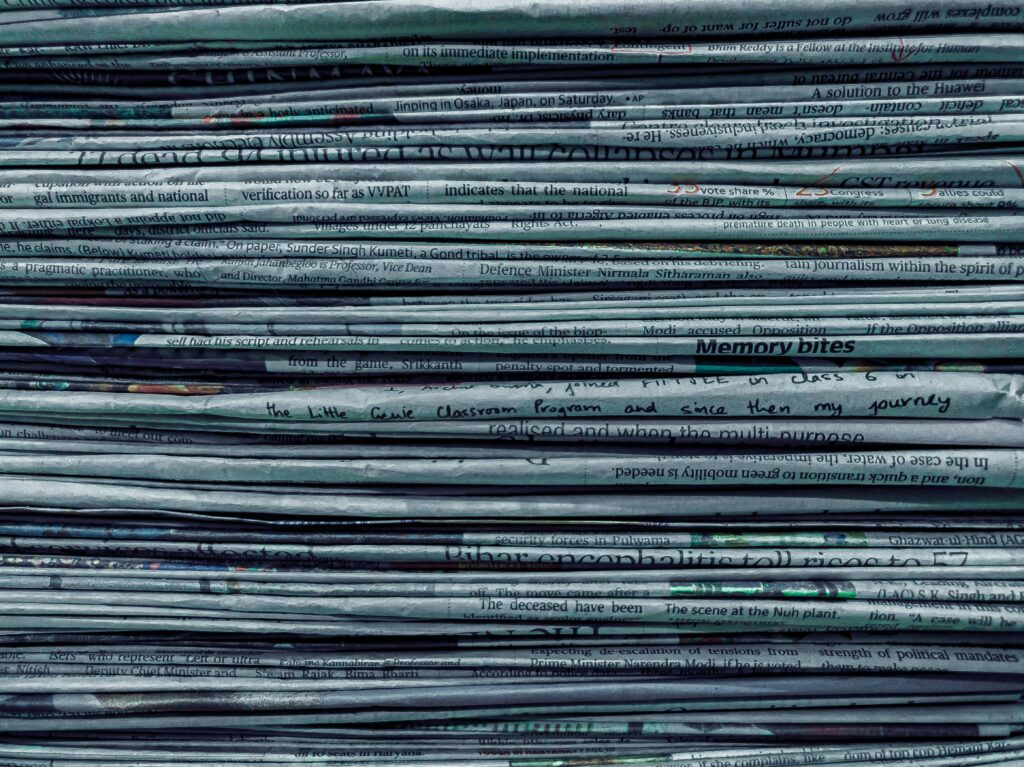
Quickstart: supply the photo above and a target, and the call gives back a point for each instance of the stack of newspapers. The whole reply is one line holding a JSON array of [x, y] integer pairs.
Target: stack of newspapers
[[489, 383]]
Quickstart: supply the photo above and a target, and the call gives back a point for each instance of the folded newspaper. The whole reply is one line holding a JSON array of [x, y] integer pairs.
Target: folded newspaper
[[473, 383]]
